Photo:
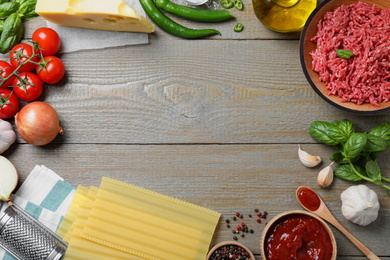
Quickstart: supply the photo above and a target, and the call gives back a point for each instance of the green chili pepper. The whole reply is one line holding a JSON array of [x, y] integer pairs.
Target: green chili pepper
[[196, 14], [12, 32], [238, 4], [238, 27], [170, 26], [344, 54], [227, 4]]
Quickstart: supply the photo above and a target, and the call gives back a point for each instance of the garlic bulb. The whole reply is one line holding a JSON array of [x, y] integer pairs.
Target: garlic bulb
[[7, 135], [307, 159], [360, 205], [325, 177]]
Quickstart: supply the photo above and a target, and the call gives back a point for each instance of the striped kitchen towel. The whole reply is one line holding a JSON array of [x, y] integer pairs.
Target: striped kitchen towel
[[45, 196]]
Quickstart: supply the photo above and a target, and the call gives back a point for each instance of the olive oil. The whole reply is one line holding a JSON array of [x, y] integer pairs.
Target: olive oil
[[283, 15]]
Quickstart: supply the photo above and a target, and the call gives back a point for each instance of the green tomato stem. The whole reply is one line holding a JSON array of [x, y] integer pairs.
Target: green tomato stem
[[21, 63]]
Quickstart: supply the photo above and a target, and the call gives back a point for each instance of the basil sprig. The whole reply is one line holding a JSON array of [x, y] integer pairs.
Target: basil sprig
[[356, 152], [27, 9], [11, 25], [12, 32], [344, 54]]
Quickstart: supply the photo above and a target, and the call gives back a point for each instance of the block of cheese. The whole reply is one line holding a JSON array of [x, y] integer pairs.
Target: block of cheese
[[108, 15]]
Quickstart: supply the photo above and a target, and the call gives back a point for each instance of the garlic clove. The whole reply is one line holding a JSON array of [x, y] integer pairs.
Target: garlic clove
[[9, 178], [325, 176], [7, 135], [307, 159]]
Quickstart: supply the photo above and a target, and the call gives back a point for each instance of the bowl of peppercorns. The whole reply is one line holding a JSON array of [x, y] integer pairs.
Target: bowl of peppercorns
[[230, 250]]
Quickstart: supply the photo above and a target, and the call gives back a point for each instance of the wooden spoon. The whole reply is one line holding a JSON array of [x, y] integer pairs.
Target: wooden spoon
[[323, 212]]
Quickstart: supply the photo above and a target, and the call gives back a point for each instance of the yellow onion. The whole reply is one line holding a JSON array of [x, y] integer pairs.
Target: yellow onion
[[38, 123]]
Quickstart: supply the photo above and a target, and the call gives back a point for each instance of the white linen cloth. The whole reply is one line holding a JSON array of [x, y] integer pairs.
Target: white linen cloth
[[45, 196]]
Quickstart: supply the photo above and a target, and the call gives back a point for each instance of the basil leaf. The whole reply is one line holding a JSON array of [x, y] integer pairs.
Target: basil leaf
[[346, 127], [337, 157], [382, 130], [12, 33], [27, 9], [1, 25], [344, 54], [355, 145], [375, 144], [4, 1], [335, 123], [373, 171], [345, 172], [7, 9], [319, 131], [337, 134]]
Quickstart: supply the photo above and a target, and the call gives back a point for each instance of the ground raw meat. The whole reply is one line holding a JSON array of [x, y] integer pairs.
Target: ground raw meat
[[365, 30]]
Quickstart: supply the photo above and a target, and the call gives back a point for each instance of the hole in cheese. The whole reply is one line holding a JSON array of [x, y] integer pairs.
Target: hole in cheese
[[109, 21], [77, 5], [124, 9], [70, 11], [88, 20], [118, 18]]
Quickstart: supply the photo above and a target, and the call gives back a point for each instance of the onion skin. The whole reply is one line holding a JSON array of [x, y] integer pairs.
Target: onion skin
[[38, 123]]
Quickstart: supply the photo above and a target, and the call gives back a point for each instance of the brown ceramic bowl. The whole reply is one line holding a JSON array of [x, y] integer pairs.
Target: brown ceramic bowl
[[307, 46], [226, 243], [275, 219]]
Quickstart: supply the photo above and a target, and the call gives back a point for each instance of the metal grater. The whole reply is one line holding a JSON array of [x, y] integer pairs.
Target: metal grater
[[26, 238]]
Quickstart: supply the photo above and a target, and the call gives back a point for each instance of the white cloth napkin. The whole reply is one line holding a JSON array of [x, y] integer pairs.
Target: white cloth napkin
[[75, 39], [45, 196]]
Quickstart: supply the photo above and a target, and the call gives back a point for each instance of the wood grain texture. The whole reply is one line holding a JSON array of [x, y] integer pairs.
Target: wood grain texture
[[215, 122], [190, 92], [225, 178]]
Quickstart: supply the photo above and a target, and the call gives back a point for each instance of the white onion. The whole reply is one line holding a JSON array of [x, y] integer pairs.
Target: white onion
[[9, 178]]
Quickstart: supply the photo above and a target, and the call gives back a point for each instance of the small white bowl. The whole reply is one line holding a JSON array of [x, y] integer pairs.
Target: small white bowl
[[196, 2]]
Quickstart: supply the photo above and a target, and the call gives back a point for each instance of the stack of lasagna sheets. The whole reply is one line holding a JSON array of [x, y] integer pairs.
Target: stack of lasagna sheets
[[122, 221]]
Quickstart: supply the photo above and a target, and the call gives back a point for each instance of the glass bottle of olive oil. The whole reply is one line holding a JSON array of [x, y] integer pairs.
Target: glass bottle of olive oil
[[283, 15]]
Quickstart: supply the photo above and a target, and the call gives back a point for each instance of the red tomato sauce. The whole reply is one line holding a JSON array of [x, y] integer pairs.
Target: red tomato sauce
[[309, 199], [298, 236]]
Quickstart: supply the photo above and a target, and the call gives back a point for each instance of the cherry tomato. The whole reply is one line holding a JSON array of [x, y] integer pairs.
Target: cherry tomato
[[48, 41], [53, 72], [9, 104], [6, 70], [29, 88], [27, 52]]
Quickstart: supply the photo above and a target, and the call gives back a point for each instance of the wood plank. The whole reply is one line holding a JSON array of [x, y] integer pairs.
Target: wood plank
[[225, 178], [228, 92]]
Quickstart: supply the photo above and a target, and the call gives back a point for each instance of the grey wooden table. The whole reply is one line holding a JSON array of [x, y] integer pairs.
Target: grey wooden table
[[215, 122]]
